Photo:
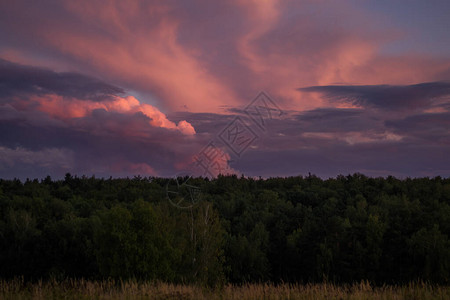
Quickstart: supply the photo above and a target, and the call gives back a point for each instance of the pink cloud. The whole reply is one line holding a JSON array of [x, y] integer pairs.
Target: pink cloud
[[189, 60], [63, 108], [211, 161], [149, 59]]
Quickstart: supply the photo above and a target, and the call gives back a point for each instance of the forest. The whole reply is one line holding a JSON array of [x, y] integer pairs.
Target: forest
[[237, 230]]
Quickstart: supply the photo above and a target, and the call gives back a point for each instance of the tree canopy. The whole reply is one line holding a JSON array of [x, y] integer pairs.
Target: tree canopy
[[294, 229]]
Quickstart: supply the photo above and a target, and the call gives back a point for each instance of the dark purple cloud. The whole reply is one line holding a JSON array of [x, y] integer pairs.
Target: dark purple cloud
[[325, 141], [19, 80], [430, 128], [99, 144], [373, 159], [332, 141], [386, 97], [374, 139]]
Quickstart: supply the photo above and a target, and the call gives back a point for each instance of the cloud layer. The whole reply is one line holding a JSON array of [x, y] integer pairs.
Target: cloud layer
[[143, 87], [45, 116]]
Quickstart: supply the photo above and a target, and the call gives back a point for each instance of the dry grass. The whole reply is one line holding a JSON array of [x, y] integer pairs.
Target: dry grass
[[84, 289]]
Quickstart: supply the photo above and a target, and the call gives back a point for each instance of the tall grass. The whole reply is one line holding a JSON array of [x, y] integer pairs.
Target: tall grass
[[84, 289]]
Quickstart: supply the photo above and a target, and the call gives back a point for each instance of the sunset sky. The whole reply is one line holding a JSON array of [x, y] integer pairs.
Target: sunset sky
[[154, 88]]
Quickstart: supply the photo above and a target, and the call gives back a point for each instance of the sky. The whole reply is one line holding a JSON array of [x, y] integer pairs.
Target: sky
[[260, 88]]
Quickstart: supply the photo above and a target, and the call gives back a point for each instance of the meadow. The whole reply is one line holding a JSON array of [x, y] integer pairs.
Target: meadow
[[110, 289]]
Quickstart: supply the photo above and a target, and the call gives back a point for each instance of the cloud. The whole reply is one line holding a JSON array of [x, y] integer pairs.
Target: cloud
[[124, 168], [430, 128], [15, 161], [64, 108], [330, 141], [201, 56], [108, 44], [45, 158], [106, 133], [104, 143], [326, 142], [20, 80], [386, 97], [400, 159], [116, 134], [71, 95], [175, 73], [336, 120]]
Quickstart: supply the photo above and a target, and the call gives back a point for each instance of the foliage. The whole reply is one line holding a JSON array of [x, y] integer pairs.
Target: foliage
[[296, 229]]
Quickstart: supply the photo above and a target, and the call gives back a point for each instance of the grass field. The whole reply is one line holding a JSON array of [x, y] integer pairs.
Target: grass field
[[83, 289]]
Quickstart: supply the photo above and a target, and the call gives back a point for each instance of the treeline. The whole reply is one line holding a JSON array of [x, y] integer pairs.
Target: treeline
[[295, 229]]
